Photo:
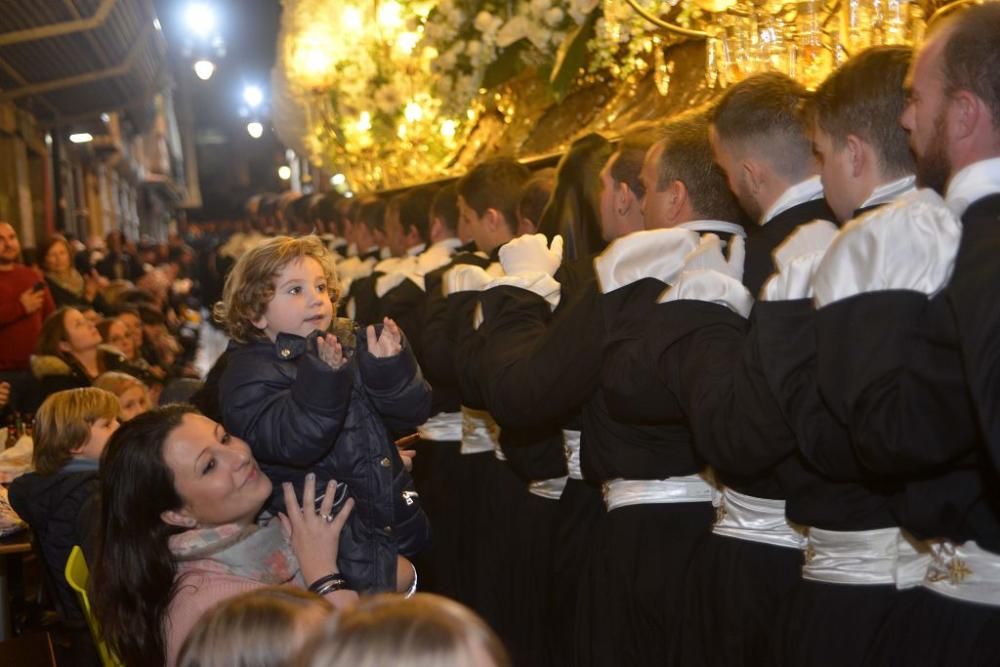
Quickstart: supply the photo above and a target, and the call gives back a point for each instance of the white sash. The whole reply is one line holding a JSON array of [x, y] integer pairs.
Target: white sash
[[480, 433], [442, 427], [964, 572], [687, 489], [550, 489], [571, 442], [756, 520], [851, 557]]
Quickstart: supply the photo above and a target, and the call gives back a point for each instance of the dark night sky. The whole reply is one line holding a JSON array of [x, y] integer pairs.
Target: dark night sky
[[232, 166]]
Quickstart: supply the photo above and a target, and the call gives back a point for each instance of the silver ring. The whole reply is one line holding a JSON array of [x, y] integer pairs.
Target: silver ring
[[326, 517]]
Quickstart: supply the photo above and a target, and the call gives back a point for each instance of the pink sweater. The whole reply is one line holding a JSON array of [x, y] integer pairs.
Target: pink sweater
[[198, 592]]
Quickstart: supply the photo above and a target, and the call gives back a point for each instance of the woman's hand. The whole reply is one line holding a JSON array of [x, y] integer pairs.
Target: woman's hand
[[389, 343], [330, 351], [314, 536]]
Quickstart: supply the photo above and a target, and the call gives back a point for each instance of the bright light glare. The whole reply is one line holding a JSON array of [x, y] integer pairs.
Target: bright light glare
[[407, 41], [200, 19], [204, 69], [284, 172], [448, 129], [338, 179], [348, 194], [253, 96], [352, 18], [255, 129], [413, 112], [81, 137], [390, 14], [156, 24]]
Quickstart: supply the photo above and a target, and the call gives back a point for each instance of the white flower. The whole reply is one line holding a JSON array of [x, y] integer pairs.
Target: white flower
[[554, 16], [387, 99], [487, 23], [514, 30]]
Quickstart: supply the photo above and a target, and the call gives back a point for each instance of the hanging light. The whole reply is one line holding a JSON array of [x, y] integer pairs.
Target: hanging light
[[255, 129], [284, 172], [253, 96], [204, 69]]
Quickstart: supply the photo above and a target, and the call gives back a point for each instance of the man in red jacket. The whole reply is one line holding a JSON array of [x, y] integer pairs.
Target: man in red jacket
[[25, 302]]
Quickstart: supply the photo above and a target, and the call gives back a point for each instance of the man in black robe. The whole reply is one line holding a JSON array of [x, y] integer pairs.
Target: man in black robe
[[694, 359], [909, 370]]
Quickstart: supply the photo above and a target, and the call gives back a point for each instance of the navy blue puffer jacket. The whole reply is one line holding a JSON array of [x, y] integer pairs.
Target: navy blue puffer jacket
[[299, 415]]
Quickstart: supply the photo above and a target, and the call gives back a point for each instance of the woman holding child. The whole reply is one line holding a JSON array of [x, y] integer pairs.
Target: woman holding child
[[178, 533]]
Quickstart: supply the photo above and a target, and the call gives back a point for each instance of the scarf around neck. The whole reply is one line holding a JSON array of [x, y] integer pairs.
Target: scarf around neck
[[71, 281], [259, 553]]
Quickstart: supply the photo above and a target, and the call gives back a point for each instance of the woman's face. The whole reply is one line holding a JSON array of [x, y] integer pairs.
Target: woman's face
[[133, 402], [215, 475], [134, 325], [119, 336], [57, 259], [81, 334]]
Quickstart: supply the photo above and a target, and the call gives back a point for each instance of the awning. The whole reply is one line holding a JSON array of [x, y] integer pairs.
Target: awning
[[75, 58]]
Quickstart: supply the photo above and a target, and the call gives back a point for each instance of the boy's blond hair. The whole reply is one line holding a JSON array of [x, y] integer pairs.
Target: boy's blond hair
[[63, 423], [250, 285]]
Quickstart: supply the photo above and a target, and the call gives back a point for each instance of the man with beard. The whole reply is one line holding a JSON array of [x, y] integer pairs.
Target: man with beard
[[908, 357], [25, 302]]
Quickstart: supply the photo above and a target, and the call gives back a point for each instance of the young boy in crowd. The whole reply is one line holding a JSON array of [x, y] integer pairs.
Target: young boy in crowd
[[57, 500], [312, 394]]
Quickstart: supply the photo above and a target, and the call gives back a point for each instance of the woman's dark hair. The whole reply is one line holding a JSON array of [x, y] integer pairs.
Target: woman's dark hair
[[574, 211], [133, 576], [53, 333]]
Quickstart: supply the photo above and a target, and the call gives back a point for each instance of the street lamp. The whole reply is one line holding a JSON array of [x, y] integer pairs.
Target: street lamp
[[200, 19], [253, 96], [204, 69]]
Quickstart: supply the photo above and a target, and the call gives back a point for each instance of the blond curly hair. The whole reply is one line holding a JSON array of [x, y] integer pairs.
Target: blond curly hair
[[250, 285]]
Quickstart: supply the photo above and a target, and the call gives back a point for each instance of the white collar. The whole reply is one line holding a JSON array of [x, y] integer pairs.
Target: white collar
[[383, 253], [972, 183], [413, 251], [714, 226], [888, 192], [450, 244], [800, 193]]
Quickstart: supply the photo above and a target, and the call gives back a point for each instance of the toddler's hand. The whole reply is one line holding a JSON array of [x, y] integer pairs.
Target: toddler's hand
[[330, 351], [389, 344]]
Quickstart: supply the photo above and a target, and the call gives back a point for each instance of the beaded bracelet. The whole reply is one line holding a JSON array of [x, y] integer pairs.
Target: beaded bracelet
[[328, 584]]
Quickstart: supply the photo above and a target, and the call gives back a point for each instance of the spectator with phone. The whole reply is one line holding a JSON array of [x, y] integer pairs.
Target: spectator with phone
[[25, 302]]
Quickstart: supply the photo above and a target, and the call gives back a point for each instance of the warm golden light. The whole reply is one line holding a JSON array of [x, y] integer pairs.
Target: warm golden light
[[413, 112], [352, 18], [406, 42], [448, 129], [390, 14], [364, 122]]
